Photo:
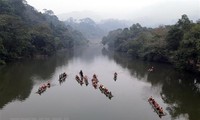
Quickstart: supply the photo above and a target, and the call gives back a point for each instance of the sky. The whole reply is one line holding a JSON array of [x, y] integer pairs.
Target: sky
[[143, 11]]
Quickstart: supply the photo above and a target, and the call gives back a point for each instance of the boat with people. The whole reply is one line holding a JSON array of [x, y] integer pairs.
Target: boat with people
[[115, 76], [62, 77], [95, 81], [105, 91], [156, 107], [151, 69], [43, 88], [79, 80]]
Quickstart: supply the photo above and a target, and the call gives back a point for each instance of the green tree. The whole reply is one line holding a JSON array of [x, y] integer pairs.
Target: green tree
[[25, 32], [174, 36], [176, 33], [184, 23], [188, 55]]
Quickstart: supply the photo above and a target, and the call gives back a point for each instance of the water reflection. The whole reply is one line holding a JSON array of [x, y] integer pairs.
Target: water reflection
[[179, 90], [17, 79], [14, 85]]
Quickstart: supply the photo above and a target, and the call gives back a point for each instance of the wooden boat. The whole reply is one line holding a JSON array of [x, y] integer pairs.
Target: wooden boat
[[115, 76], [61, 80], [160, 114], [41, 90], [62, 77], [95, 80], [105, 91]]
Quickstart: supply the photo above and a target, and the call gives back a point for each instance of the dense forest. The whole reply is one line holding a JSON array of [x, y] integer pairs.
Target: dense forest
[[177, 44], [25, 32]]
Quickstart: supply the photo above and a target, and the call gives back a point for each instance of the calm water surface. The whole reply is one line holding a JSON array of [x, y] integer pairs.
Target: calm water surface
[[177, 92]]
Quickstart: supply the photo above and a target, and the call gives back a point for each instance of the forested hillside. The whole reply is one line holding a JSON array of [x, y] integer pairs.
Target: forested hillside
[[25, 32], [177, 44]]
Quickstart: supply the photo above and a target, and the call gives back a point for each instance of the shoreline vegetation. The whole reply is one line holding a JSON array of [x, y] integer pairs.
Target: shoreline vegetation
[[26, 33], [177, 44]]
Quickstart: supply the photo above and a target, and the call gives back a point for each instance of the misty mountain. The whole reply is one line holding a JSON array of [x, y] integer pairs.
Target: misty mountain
[[93, 30], [113, 24], [87, 27], [80, 15]]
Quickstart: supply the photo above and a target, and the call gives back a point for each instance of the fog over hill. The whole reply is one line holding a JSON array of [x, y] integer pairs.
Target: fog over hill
[[80, 15], [96, 30], [149, 13], [148, 20]]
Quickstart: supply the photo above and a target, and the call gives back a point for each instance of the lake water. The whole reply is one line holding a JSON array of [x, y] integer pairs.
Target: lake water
[[177, 92]]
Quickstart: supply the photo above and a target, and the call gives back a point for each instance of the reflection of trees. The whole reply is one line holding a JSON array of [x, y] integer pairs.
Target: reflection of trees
[[178, 88], [136, 67], [15, 79], [178, 91], [87, 53], [15, 84]]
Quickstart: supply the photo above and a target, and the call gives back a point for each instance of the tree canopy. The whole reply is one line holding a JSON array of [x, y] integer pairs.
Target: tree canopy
[[25, 32], [177, 44]]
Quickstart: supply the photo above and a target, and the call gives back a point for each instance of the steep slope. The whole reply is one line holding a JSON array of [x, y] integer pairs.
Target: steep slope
[[25, 32]]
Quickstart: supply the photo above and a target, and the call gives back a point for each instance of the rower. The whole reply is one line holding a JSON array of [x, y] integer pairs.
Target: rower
[[161, 110], [101, 86], [40, 89], [81, 73], [151, 99], [44, 86], [106, 90], [94, 76], [64, 74], [48, 84], [115, 74]]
